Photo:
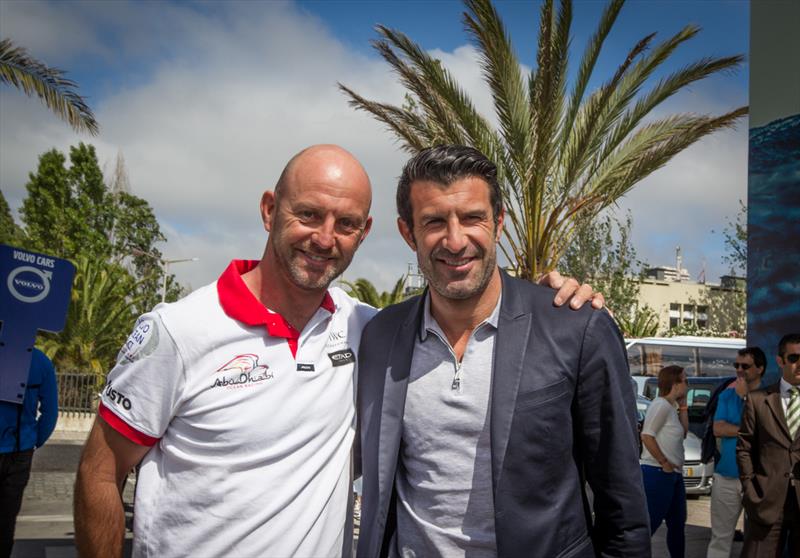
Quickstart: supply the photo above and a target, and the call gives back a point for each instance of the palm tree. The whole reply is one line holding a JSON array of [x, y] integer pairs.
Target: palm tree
[[17, 68], [99, 318], [561, 157], [365, 291]]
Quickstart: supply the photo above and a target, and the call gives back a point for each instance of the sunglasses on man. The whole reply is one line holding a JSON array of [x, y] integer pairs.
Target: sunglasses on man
[[793, 357], [742, 365]]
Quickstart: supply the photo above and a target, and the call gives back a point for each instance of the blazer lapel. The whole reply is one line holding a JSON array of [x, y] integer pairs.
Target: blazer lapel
[[513, 330], [394, 400], [773, 400]]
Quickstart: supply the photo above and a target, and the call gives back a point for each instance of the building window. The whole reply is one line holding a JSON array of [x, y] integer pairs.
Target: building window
[[702, 316]]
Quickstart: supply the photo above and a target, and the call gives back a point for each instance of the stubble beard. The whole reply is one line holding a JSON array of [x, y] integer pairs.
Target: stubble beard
[[289, 260], [463, 290]]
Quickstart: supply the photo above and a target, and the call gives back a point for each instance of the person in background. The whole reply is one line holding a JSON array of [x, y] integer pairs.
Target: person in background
[[24, 428], [768, 456], [665, 427], [726, 495]]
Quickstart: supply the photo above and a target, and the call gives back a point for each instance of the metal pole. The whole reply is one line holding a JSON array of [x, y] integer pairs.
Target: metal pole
[[164, 285]]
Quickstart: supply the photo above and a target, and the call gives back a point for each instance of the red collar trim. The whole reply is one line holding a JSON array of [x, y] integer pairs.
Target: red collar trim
[[240, 304]]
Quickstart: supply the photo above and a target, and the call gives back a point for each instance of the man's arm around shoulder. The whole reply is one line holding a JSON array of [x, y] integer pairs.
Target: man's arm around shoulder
[[99, 517], [607, 440]]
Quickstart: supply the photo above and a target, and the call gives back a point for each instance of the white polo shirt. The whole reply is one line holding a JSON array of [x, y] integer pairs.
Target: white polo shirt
[[251, 423]]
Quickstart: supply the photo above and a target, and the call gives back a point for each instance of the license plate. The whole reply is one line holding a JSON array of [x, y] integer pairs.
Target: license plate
[[688, 472]]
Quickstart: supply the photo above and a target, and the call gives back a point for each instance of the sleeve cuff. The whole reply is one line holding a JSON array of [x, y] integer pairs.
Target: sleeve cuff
[[124, 428]]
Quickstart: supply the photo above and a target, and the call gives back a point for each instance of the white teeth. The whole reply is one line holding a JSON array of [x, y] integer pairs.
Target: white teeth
[[456, 262], [317, 258]]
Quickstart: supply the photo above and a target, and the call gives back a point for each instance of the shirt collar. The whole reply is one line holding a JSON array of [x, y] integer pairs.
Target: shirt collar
[[429, 323], [240, 304], [785, 388]]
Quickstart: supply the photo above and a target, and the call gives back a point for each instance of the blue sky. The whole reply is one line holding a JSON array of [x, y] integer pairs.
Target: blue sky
[[206, 102]]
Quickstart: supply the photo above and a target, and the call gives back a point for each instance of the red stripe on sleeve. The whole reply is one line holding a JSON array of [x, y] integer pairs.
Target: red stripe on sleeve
[[124, 428]]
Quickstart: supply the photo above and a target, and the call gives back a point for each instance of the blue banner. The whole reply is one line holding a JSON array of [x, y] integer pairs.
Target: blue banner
[[34, 294]]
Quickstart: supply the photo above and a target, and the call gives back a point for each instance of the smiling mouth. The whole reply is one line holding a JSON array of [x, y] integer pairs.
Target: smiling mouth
[[316, 258]]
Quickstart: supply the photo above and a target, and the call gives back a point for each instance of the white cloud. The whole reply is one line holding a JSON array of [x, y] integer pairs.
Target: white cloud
[[237, 91]]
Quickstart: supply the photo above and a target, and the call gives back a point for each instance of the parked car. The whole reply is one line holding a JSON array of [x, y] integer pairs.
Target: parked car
[[697, 476]]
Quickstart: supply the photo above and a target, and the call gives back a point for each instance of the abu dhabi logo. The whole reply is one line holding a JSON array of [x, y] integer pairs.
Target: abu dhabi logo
[[242, 371], [29, 284]]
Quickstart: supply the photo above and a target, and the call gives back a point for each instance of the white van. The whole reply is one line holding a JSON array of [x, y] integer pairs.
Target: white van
[[700, 356]]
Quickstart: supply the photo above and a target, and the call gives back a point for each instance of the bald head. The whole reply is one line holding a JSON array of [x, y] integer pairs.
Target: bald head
[[316, 217], [325, 163]]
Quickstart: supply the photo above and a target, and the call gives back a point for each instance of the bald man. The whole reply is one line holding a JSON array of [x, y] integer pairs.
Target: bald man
[[239, 399]]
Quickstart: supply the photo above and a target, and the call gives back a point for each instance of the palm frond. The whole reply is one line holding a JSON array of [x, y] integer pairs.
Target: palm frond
[[588, 61], [561, 156], [661, 92], [397, 120], [58, 93], [504, 76]]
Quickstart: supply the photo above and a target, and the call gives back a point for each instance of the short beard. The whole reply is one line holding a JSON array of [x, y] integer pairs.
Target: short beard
[[446, 290]]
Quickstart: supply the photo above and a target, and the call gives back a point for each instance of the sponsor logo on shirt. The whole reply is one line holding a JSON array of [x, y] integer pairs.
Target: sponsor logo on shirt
[[141, 342], [242, 371], [340, 358], [116, 397], [337, 338]]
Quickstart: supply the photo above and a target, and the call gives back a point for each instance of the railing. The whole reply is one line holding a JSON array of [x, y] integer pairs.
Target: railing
[[77, 392]]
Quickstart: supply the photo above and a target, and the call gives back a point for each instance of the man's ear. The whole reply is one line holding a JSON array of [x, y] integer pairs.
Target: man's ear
[[268, 208], [779, 360], [499, 231], [365, 232], [406, 233]]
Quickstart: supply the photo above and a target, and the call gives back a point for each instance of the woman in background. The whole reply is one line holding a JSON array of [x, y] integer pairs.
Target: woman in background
[[665, 426]]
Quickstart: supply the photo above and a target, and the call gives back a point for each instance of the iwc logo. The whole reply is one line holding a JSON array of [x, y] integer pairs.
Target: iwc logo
[[242, 371]]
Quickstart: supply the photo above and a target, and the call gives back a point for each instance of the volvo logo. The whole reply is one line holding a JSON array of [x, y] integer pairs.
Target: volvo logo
[[29, 284]]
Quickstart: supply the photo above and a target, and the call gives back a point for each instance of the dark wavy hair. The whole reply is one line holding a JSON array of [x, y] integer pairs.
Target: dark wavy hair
[[445, 164]]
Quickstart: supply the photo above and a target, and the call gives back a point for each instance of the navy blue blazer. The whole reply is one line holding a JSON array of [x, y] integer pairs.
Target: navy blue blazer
[[562, 414]]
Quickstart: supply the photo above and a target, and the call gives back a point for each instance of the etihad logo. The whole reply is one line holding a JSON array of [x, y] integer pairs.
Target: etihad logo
[[242, 371], [343, 357]]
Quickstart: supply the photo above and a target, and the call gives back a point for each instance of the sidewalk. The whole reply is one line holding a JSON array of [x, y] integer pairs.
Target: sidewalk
[[45, 528], [44, 525]]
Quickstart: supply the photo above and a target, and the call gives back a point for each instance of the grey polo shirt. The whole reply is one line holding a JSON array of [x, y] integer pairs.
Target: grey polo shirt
[[444, 479]]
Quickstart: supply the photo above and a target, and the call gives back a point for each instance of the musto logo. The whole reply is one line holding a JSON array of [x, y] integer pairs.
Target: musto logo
[[29, 284], [242, 371], [118, 398]]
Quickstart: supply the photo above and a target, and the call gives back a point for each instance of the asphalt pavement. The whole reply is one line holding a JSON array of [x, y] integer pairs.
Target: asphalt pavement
[[44, 525], [45, 528]]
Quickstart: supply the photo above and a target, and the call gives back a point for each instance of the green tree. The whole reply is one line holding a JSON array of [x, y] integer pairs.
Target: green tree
[[71, 212], [100, 316], [643, 322], [58, 94], [9, 231], [562, 157], [735, 235], [365, 291], [602, 254]]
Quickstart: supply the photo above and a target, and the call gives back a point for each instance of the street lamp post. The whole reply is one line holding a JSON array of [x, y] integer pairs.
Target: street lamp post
[[165, 266]]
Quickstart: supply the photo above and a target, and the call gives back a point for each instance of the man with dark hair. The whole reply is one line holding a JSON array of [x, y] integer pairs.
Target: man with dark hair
[[726, 493], [484, 408], [240, 397], [768, 456]]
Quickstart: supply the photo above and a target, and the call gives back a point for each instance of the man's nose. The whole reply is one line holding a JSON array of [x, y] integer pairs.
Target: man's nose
[[455, 240], [324, 236]]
